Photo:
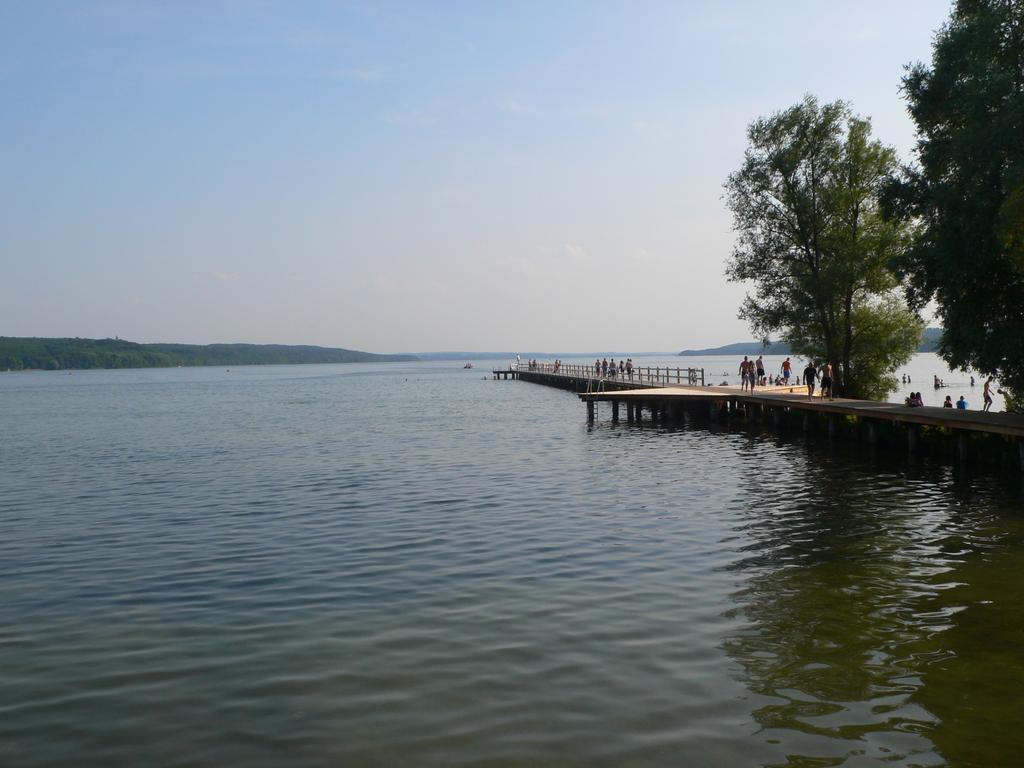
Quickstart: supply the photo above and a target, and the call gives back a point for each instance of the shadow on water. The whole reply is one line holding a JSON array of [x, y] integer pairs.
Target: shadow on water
[[879, 607]]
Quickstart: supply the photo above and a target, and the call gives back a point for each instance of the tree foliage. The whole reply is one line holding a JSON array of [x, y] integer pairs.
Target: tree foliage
[[966, 193], [811, 238]]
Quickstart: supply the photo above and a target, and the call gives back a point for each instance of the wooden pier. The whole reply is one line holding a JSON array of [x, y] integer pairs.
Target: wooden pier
[[668, 394]]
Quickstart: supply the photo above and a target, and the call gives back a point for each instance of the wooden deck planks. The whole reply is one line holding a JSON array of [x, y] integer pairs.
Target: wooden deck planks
[[796, 398]]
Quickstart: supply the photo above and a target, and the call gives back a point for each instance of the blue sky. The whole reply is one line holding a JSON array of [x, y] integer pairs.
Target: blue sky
[[406, 176]]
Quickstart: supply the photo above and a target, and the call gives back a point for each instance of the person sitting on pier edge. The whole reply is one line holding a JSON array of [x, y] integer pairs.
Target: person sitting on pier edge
[[948, 402], [961, 404], [787, 368], [915, 400], [810, 377]]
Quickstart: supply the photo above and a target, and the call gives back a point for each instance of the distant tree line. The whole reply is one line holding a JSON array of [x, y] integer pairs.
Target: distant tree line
[[845, 247], [64, 354]]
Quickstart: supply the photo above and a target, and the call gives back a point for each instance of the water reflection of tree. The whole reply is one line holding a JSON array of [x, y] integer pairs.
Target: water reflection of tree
[[851, 636]]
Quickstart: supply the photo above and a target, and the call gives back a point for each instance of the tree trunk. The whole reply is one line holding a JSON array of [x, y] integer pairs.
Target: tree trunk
[[848, 385]]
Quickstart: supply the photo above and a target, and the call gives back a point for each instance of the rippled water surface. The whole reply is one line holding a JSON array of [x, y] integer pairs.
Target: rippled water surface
[[417, 565]]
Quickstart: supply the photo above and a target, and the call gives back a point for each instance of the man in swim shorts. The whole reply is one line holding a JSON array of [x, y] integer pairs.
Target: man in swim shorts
[[744, 374], [810, 377], [826, 380]]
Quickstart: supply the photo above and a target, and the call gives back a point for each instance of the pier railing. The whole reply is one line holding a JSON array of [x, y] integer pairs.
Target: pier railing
[[640, 375]]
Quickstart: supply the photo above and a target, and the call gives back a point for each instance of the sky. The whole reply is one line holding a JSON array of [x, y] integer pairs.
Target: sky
[[403, 177]]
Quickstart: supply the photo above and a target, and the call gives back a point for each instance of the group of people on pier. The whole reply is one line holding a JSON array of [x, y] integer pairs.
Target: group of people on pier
[[609, 370], [915, 400], [825, 375], [752, 374]]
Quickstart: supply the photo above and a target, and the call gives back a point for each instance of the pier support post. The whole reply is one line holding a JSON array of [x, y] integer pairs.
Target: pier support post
[[914, 438], [777, 417], [1020, 453], [713, 414], [962, 443], [629, 411], [615, 411], [590, 411], [832, 426], [872, 430]]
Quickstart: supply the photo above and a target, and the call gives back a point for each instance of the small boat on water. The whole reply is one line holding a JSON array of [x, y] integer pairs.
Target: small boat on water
[[468, 365]]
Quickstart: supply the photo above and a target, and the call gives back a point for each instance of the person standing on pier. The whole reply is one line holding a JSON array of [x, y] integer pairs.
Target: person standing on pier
[[787, 369], [744, 374], [826, 380], [629, 367], [987, 394], [760, 370], [810, 377]]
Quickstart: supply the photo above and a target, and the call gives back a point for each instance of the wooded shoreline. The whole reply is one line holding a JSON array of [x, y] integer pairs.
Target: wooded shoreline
[[20, 354]]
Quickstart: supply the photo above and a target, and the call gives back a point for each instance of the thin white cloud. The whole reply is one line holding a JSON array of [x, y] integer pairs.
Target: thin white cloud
[[390, 284], [651, 128], [412, 118], [356, 74], [568, 251], [224, 277], [516, 105], [573, 250]]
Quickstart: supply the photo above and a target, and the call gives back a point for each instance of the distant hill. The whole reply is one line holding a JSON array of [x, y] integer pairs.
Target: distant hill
[[740, 348], [58, 354], [930, 340], [929, 343]]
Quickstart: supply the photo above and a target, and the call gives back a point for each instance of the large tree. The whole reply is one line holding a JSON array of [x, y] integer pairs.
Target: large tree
[[812, 240], [966, 193]]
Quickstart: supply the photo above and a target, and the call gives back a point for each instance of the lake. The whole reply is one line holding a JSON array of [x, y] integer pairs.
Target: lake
[[413, 564]]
